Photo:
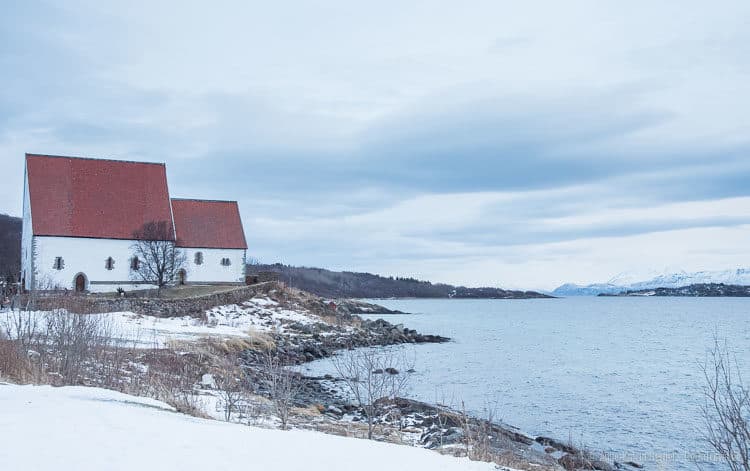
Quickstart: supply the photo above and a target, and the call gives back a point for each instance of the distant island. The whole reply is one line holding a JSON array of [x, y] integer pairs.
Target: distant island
[[345, 284], [695, 290]]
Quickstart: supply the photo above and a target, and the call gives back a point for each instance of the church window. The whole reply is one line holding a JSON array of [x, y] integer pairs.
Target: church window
[[198, 258], [135, 264], [109, 264], [226, 262], [59, 263]]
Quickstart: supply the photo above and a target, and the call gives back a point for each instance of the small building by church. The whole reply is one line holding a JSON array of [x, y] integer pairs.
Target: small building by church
[[210, 235], [81, 216]]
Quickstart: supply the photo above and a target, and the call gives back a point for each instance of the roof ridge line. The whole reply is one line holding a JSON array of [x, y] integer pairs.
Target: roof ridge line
[[204, 200], [31, 154]]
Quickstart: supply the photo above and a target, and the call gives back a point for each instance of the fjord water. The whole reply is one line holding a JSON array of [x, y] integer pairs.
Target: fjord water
[[618, 375]]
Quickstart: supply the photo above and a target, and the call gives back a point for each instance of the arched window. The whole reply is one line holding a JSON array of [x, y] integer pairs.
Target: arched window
[[109, 264], [135, 264], [198, 258], [226, 262], [80, 282]]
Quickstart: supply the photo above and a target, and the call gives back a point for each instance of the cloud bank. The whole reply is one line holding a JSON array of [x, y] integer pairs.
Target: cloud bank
[[502, 144]]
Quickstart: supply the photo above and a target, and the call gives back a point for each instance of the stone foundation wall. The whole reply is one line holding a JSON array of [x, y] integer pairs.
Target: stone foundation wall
[[159, 307]]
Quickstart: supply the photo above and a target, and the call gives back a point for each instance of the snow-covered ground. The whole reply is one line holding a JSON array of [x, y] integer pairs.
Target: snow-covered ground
[[78, 428], [258, 314]]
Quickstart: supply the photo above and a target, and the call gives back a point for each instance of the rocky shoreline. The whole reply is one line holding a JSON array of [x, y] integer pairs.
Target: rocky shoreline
[[450, 431], [403, 420], [218, 363], [313, 342]]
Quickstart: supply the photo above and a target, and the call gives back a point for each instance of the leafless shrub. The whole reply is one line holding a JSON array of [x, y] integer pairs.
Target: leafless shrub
[[283, 386], [445, 415], [15, 363], [726, 410], [23, 327], [175, 392], [56, 343], [73, 340], [171, 378], [371, 375], [478, 434], [24, 350], [229, 385]]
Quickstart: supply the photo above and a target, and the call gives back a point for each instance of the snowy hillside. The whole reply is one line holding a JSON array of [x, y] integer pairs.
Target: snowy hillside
[[626, 282], [45, 428]]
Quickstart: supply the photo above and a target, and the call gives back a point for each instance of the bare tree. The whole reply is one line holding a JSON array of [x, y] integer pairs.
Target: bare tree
[[726, 410], [371, 375], [230, 386], [156, 259], [283, 386]]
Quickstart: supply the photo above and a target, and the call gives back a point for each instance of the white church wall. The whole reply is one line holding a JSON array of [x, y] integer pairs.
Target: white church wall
[[211, 270], [27, 268], [87, 256]]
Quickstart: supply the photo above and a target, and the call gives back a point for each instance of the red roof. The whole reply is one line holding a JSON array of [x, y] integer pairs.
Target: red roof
[[78, 197], [208, 224]]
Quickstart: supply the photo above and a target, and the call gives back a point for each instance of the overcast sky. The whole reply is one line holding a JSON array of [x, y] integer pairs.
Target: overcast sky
[[514, 144]]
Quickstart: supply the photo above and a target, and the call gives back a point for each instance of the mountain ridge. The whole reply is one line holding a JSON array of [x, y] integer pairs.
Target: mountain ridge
[[678, 279], [347, 284], [703, 290]]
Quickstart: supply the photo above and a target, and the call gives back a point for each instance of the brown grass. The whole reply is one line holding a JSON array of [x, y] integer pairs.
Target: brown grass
[[14, 364], [309, 411]]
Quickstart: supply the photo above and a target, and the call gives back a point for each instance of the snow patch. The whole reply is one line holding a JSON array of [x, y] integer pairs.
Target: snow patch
[[115, 431], [235, 320]]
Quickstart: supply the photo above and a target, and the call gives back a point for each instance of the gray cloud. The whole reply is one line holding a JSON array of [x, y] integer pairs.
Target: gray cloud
[[330, 139]]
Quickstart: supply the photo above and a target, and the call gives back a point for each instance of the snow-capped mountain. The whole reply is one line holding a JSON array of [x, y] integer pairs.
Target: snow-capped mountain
[[625, 282]]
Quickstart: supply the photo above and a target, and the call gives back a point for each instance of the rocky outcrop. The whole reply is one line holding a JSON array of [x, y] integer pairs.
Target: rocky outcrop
[[355, 306], [307, 342]]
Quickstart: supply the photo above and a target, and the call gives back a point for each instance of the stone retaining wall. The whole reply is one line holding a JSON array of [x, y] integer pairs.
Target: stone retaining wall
[[262, 277], [160, 307]]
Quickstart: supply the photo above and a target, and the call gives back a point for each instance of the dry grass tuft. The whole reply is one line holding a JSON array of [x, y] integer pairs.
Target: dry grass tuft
[[211, 345], [15, 365], [309, 411], [261, 340]]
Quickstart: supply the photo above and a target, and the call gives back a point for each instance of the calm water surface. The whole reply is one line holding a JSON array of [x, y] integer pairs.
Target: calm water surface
[[620, 375]]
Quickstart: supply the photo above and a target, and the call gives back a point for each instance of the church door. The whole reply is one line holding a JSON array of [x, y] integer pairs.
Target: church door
[[182, 276], [80, 283]]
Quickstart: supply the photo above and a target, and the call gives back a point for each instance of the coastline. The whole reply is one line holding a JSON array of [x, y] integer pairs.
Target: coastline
[[296, 327], [404, 420]]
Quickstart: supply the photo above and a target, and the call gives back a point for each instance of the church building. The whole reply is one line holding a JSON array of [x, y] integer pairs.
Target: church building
[[81, 217]]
